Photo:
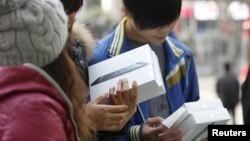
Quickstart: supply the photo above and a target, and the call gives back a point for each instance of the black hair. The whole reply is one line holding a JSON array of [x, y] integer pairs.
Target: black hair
[[149, 14], [71, 6]]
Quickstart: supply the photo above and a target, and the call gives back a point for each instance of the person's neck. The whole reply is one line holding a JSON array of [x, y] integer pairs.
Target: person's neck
[[132, 33]]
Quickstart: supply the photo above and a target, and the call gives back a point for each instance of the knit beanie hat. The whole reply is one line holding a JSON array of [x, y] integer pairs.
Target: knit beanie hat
[[31, 31]]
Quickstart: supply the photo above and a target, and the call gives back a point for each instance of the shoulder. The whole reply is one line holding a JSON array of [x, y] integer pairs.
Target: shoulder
[[28, 115], [104, 43], [180, 45], [33, 102], [100, 52]]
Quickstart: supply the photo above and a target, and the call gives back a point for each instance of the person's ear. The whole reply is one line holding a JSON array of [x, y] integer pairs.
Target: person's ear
[[126, 12]]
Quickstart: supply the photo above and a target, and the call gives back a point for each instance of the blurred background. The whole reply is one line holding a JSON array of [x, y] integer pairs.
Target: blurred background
[[217, 31]]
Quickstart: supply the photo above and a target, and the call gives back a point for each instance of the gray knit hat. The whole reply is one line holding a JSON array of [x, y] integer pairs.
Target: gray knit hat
[[33, 31]]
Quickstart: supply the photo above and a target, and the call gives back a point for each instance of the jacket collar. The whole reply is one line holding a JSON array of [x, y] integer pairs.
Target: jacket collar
[[175, 68], [118, 39], [118, 42]]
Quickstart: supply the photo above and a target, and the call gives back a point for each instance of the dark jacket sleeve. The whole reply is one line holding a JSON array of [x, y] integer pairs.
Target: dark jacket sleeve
[[128, 133], [114, 136], [191, 90], [36, 119]]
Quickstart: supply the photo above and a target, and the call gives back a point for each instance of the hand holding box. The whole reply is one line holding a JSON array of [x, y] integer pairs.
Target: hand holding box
[[192, 118], [140, 64]]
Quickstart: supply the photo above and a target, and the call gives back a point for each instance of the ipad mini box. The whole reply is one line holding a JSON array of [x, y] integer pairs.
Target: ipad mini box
[[193, 118], [140, 64]]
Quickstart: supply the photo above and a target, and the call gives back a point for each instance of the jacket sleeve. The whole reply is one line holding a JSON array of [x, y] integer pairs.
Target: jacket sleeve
[[128, 133], [35, 120], [135, 133], [191, 90]]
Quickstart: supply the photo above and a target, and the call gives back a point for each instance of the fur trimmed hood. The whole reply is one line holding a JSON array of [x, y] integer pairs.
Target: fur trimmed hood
[[82, 34]]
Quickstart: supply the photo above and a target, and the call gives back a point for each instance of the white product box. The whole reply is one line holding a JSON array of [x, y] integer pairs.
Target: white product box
[[193, 118], [140, 64]]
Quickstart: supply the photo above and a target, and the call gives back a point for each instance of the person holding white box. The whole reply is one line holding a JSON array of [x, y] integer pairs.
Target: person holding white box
[[150, 22]]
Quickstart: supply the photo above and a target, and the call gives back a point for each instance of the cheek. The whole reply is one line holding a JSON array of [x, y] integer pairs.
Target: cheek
[[149, 34]]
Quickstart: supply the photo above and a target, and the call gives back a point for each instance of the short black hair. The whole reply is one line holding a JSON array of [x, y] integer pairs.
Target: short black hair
[[149, 14], [71, 6]]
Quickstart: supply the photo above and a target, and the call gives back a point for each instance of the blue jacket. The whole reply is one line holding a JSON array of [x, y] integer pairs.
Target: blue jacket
[[180, 76]]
